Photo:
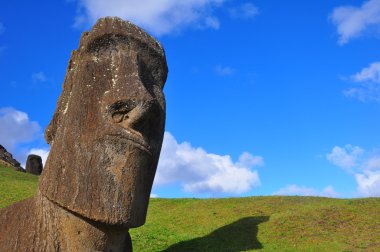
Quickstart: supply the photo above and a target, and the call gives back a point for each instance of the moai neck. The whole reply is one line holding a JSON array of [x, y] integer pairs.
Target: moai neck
[[71, 232]]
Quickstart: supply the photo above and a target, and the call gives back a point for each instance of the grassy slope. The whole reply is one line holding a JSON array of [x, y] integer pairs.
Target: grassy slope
[[242, 224], [15, 186]]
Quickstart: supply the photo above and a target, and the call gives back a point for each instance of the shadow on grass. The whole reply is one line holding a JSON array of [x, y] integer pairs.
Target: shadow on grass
[[240, 235]]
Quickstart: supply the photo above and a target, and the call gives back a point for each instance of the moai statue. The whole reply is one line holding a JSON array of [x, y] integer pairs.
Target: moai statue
[[34, 164], [105, 137]]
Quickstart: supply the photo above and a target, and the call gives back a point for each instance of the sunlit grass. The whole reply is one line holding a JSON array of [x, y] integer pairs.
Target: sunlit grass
[[267, 223], [15, 186]]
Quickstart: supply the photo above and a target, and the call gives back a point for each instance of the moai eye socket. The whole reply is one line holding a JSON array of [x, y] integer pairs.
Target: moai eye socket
[[118, 117], [120, 109]]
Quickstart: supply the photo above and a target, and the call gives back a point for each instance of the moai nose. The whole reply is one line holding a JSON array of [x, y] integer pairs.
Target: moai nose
[[139, 117], [139, 111], [143, 117]]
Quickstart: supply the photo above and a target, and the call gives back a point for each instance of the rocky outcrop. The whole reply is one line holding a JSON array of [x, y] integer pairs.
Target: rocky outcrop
[[34, 164], [7, 159], [105, 137]]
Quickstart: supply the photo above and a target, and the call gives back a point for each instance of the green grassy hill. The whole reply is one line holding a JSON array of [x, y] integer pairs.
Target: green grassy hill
[[15, 186], [242, 224]]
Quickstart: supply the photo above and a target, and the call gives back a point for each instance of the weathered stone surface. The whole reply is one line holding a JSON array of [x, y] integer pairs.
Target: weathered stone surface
[[7, 159], [34, 164], [37, 224], [105, 136]]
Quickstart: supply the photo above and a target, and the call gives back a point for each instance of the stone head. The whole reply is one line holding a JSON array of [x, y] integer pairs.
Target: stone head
[[107, 130], [34, 164]]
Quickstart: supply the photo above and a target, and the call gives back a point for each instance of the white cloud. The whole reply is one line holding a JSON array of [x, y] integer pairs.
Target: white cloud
[[224, 70], [159, 17], [15, 127], [2, 28], [211, 22], [364, 166], [296, 190], [306, 191], [329, 191], [247, 160], [373, 163], [39, 77], [152, 195], [245, 11], [369, 84], [345, 157], [366, 93], [371, 73], [368, 183], [202, 172], [352, 22]]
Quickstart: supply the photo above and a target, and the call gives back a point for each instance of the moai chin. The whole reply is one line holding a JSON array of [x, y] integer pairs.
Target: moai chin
[[105, 137]]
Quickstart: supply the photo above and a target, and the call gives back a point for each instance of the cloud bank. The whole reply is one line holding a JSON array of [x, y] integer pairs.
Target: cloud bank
[[363, 165], [157, 16], [352, 22], [201, 172]]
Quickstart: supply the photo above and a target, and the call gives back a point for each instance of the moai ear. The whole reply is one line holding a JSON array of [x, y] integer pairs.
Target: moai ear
[[52, 128], [63, 101]]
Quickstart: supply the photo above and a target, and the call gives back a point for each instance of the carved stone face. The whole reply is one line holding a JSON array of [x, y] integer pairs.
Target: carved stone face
[[107, 131]]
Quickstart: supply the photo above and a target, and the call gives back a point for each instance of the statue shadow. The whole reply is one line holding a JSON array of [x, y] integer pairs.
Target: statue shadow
[[240, 235]]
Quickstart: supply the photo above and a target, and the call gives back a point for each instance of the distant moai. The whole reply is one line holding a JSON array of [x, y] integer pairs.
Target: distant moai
[[34, 164], [105, 137]]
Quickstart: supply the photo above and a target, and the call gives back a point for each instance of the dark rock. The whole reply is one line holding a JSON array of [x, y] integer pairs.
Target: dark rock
[[34, 164], [105, 136], [7, 159], [20, 169]]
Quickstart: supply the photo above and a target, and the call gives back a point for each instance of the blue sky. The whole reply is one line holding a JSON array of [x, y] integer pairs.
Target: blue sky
[[263, 97]]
